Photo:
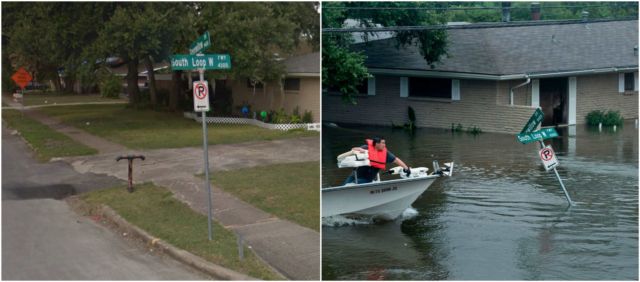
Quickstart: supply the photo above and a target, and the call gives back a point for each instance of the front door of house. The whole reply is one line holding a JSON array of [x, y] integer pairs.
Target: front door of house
[[554, 101]]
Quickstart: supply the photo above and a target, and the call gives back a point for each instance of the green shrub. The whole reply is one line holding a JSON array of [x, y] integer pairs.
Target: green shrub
[[456, 128], [307, 117], [474, 130], [609, 118], [295, 116], [595, 117], [110, 86], [280, 117], [412, 115], [612, 118]]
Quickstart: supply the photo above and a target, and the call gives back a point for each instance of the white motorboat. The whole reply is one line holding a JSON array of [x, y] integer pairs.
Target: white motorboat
[[379, 199]]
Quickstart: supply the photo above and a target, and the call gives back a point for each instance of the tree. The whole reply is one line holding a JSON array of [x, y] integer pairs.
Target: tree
[[344, 69], [139, 33], [259, 35], [46, 37]]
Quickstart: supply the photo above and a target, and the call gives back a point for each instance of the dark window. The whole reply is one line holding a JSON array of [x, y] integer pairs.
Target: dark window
[[430, 87], [363, 87], [292, 84], [250, 84], [628, 81]]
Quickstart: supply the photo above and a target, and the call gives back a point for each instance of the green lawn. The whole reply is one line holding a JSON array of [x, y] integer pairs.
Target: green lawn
[[46, 142], [147, 129], [52, 98], [290, 191], [155, 210]]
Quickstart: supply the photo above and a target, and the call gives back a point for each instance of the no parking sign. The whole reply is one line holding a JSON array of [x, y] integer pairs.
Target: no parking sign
[[201, 96], [548, 157]]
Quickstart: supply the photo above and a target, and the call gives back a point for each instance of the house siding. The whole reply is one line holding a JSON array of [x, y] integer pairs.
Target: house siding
[[270, 98], [600, 92], [477, 107]]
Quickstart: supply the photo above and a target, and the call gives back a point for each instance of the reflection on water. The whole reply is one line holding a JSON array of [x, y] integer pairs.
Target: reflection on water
[[500, 216]]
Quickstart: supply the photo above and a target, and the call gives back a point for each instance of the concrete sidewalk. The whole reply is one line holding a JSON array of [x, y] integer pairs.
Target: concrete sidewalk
[[291, 249]]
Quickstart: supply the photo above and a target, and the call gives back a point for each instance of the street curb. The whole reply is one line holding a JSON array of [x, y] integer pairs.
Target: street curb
[[183, 256]]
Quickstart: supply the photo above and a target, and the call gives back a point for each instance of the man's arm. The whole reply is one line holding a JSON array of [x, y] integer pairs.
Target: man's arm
[[399, 162]]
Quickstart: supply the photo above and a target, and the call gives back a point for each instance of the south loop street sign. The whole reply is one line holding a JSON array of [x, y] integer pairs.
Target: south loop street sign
[[22, 78], [199, 62], [548, 157], [533, 122], [201, 96], [203, 42], [541, 134]]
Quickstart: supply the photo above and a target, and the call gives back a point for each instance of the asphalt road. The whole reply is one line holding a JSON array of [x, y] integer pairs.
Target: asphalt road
[[43, 239]]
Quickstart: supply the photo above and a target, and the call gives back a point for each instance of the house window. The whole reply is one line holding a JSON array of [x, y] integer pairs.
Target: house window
[[628, 81], [251, 83], [428, 87], [292, 84]]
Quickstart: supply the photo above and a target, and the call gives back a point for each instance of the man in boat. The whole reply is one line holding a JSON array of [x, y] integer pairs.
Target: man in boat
[[378, 157]]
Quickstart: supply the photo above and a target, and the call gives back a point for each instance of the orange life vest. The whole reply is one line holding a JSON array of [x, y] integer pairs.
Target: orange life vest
[[377, 158]]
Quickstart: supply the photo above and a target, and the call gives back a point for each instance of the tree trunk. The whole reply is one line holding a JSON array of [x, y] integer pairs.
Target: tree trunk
[[132, 82], [152, 81], [174, 97], [281, 86]]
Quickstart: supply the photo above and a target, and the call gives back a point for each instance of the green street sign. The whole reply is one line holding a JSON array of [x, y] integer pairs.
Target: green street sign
[[533, 122], [541, 134], [198, 62], [203, 42]]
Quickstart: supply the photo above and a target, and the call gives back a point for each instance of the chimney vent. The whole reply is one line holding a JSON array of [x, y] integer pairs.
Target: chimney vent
[[585, 16]]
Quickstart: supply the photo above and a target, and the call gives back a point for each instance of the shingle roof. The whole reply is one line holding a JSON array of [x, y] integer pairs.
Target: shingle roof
[[519, 50], [307, 63]]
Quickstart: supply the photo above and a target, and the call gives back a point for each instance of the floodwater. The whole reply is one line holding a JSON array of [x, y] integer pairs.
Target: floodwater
[[501, 216]]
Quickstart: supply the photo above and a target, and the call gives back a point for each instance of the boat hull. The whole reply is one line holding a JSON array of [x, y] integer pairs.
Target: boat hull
[[386, 199]]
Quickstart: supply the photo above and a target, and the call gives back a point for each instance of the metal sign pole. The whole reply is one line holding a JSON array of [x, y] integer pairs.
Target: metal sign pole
[[205, 147], [559, 179]]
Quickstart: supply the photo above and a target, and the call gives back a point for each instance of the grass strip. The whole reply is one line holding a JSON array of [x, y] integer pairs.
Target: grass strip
[[148, 129], [46, 142], [155, 210], [290, 191]]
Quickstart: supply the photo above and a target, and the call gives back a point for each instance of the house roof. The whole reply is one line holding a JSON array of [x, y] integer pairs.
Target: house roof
[[519, 50], [304, 64]]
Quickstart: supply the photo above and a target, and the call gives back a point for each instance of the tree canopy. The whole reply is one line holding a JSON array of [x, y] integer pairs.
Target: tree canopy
[[76, 38]]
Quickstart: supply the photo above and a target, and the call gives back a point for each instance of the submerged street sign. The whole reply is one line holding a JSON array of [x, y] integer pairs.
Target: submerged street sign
[[198, 62], [533, 122], [203, 42], [541, 134]]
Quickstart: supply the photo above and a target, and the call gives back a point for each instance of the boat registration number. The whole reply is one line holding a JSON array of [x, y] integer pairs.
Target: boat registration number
[[382, 190]]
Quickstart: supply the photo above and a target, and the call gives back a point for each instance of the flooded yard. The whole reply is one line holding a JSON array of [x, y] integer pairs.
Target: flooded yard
[[501, 216]]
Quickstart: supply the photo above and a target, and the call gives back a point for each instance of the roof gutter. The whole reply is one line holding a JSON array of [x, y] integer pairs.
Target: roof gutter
[[462, 75]]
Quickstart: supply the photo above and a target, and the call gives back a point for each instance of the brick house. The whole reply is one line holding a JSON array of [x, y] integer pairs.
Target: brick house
[[300, 88], [494, 78]]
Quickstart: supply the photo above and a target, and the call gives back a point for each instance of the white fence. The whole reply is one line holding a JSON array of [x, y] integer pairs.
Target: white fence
[[230, 120]]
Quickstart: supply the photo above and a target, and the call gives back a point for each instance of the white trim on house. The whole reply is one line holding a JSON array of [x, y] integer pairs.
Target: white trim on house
[[572, 100], [621, 83], [535, 93], [371, 86], [462, 75], [455, 90], [404, 87]]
